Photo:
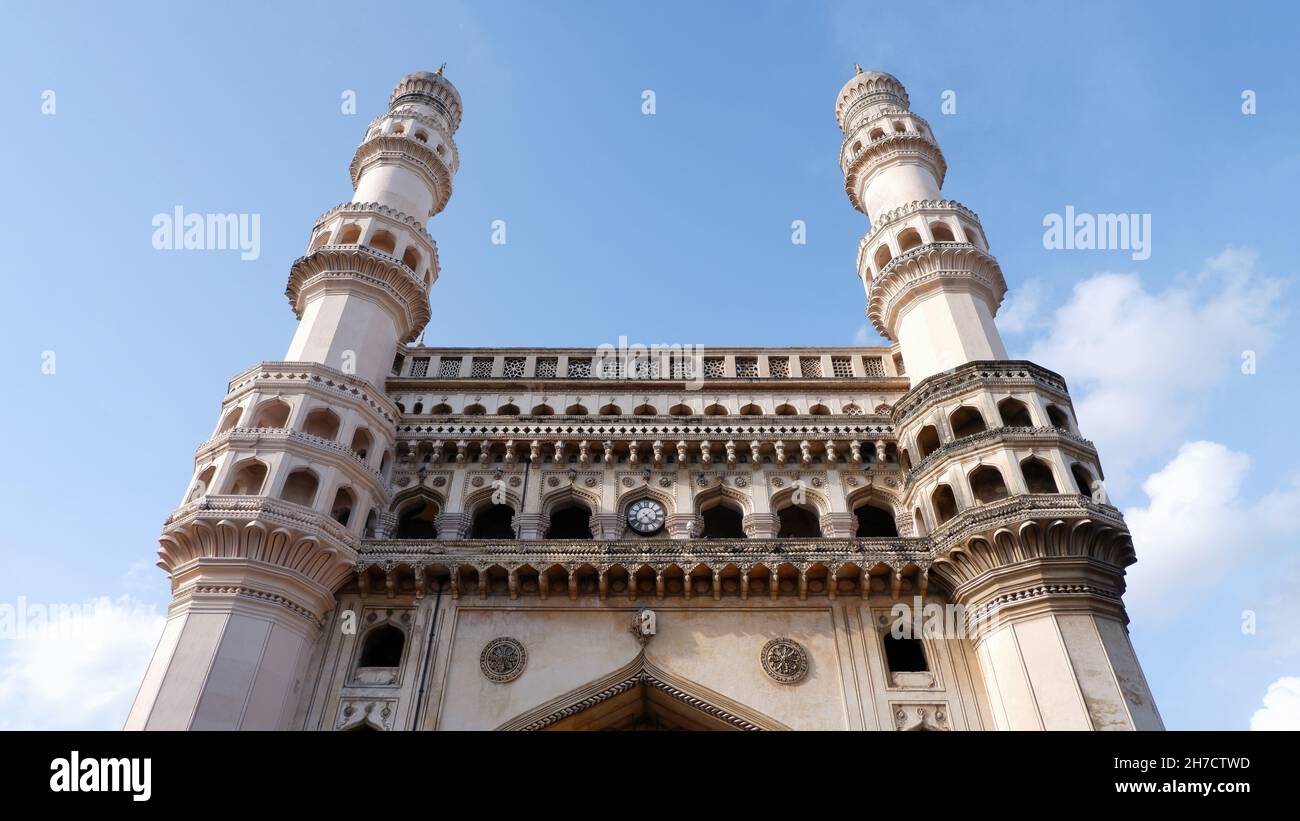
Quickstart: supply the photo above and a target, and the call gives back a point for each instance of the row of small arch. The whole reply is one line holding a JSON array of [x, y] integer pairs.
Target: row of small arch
[[644, 409], [381, 240], [968, 421]]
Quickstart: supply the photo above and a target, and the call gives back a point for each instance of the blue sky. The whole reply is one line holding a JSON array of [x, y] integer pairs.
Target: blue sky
[[666, 228]]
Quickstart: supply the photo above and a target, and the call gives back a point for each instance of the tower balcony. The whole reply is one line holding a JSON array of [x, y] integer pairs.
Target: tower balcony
[[957, 267], [372, 273], [880, 173], [424, 187], [895, 232], [379, 227]]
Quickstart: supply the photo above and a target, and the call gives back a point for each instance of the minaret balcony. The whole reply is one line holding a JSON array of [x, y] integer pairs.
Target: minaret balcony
[[382, 276], [306, 445], [897, 148], [434, 169], [932, 267], [424, 128], [381, 228]]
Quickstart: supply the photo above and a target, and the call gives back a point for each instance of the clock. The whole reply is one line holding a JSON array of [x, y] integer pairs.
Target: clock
[[645, 516]]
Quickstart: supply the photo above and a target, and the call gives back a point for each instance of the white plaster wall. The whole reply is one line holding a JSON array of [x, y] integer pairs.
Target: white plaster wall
[[945, 329], [335, 322]]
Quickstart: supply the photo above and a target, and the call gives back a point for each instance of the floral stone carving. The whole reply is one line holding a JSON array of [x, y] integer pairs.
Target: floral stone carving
[[503, 659]]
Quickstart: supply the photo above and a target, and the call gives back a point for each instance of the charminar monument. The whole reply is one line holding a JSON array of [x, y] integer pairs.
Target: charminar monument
[[384, 536]]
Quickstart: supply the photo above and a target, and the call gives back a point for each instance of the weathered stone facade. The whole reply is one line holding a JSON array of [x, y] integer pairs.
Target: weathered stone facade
[[381, 535]]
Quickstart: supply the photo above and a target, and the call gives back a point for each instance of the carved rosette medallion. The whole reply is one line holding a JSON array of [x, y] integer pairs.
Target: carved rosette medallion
[[785, 660], [503, 659]]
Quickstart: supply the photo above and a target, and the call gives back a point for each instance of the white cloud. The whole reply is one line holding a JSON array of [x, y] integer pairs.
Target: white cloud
[[1142, 364], [80, 671], [1281, 710], [1195, 520], [1022, 310]]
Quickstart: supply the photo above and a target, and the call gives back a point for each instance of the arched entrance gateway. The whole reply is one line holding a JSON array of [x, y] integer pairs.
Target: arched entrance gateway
[[642, 696]]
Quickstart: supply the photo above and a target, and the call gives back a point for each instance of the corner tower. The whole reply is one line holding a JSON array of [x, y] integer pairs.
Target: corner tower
[[995, 473], [932, 285], [296, 471]]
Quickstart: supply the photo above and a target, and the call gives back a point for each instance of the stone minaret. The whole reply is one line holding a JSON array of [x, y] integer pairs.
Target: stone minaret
[[295, 474], [997, 475]]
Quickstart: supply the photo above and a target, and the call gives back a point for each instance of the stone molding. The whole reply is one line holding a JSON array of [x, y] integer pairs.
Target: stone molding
[[405, 150], [329, 384], [382, 274], [888, 149], [979, 375], [1044, 436], [927, 268]]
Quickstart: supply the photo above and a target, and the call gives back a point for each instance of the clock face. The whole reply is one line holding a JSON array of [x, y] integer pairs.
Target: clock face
[[645, 516]]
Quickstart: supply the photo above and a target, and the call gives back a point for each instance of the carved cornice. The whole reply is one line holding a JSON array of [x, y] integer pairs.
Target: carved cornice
[[404, 149], [334, 385], [385, 212], [566, 428], [265, 510], [981, 375], [905, 145], [426, 85], [382, 274], [868, 88], [928, 268], [406, 111]]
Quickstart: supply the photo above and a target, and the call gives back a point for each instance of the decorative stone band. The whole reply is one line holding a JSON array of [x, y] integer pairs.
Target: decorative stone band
[[257, 527], [870, 88], [335, 385], [410, 112], [242, 591], [879, 117], [927, 207], [690, 429], [384, 276], [978, 375], [1017, 510], [1001, 608], [364, 209], [403, 149], [731, 567], [306, 443], [926, 269], [1048, 437], [422, 86], [907, 146], [642, 672]]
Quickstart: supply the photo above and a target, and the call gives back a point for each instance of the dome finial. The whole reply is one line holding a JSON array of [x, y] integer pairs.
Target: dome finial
[[444, 65], [857, 69]]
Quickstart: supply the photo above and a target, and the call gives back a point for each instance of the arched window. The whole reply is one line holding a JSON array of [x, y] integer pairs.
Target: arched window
[[542, 410], [321, 238], [882, 258], [350, 235], [383, 241], [967, 421], [1082, 479], [361, 442], [751, 410], [372, 519], [975, 237], [1014, 413], [418, 408], [383, 647], [927, 441], [987, 484], [909, 239], [857, 146], [874, 522], [1038, 476], [341, 510], [786, 409], [798, 522], [508, 409], [300, 488], [611, 410], [417, 521], [572, 522], [645, 410], [722, 522], [715, 410], [422, 136], [945, 504], [576, 410], [904, 655], [918, 522], [876, 133], [441, 409], [680, 409], [819, 410], [273, 413], [399, 129], [900, 126], [248, 479], [1059, 419], [231, 420], [851, 410], [203, 483], [494, 522], [322, 422], [941, 232], [475, 410], [411, 259]]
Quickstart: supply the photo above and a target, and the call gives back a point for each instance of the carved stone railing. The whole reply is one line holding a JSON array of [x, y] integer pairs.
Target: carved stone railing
[[764, 428], [265, 509], [985, 374], [958, 447], [253, 436], [321, 376]]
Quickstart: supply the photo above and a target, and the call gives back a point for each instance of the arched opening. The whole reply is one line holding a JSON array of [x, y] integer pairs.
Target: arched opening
[[418, 407], [321, 238], [680, 409], [645, 410], [786, 409], [715, 410], [494, 522], [350, 235], [882, 257], [722, 521], [542, 410], [611, 410], [987, 484], [797, 522], [875, 522], [508, 409], [875, 134], [751, 410], [975, 237], [273, 413], [202, 483], [945, 504], [1014, 413], [383, 241], [422, 136], [411, 259], [441, 409], [576, 410], [941, 232], [300, 488], [361, 442], [1038, 476], [927, 441], [967, 421], [857, 146], [230, 420], [1059, 418], [399, 129], [819, 410], [383, 647], [909, 239], [1082, 478], [341, 510], [248, 479], [918, 523], [572, 522], [475, 410], [904, 655], [899, 126], [372, 520], [417, 520], [851, 410], [322, 422]]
